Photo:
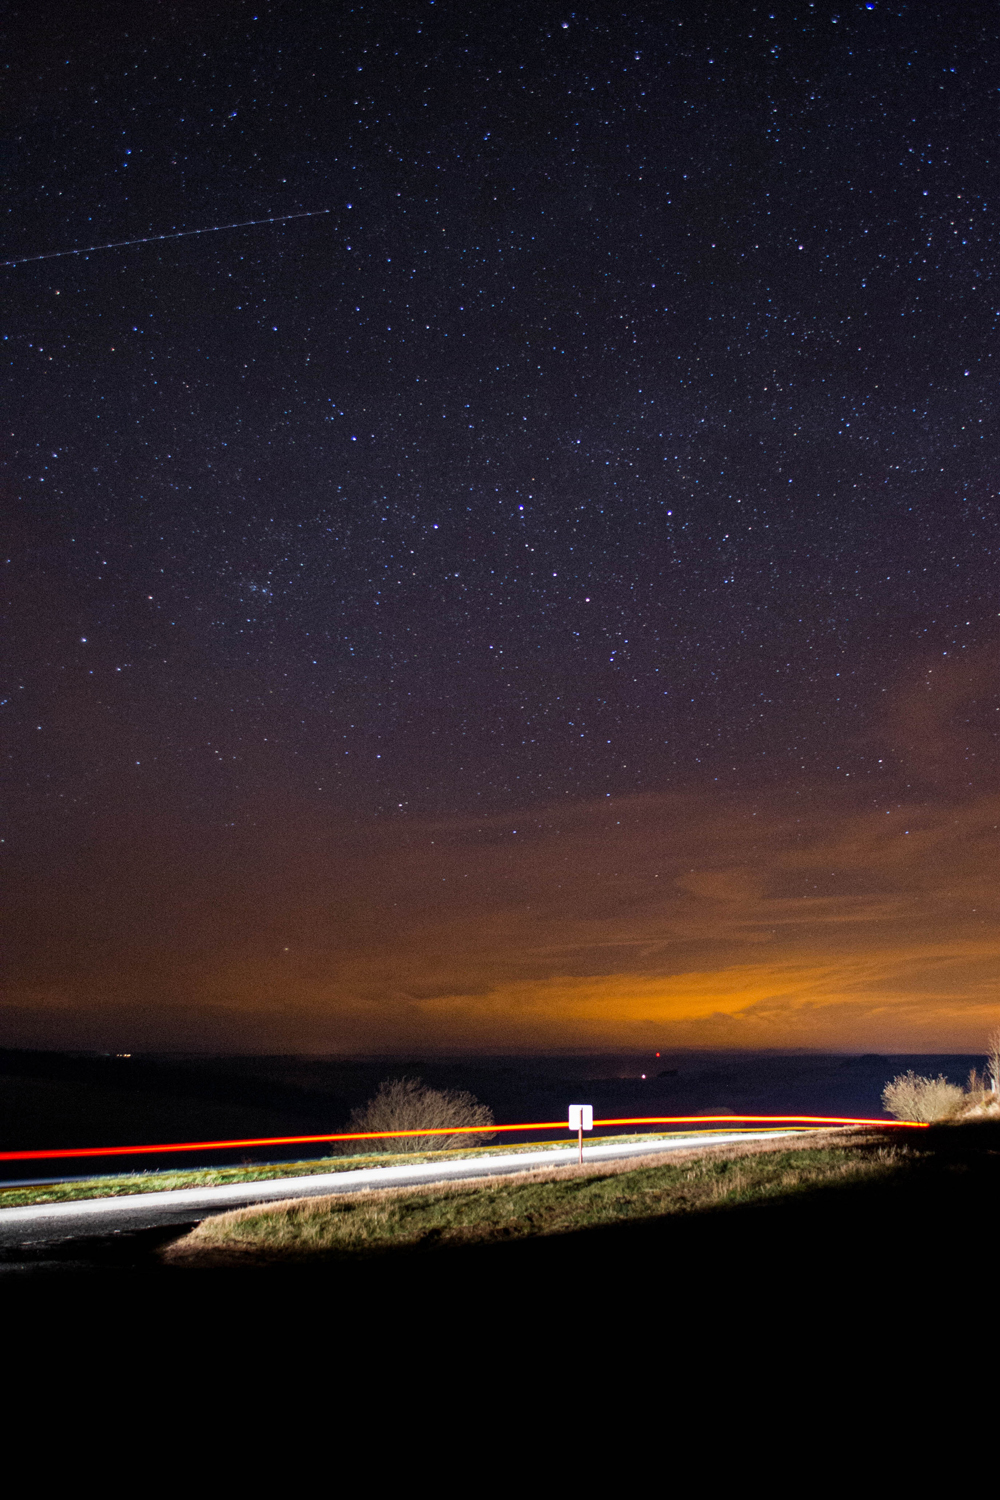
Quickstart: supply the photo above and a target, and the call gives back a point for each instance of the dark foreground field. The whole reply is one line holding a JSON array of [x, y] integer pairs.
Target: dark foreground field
[[919, 1227], [788, 1334]]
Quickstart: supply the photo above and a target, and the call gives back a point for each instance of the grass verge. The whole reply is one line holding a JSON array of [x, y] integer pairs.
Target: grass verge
[[194, 1177], [545, 1202]]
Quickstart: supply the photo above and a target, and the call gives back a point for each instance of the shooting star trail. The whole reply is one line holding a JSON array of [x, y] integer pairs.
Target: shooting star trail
[[150, 239]]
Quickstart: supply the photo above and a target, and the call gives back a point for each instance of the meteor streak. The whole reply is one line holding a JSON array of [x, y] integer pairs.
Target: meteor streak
[[150, 239]]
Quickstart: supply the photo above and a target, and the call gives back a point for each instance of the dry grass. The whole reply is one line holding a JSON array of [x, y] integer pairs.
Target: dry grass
[[164, 1181], [544, 1202], [981, 1104]]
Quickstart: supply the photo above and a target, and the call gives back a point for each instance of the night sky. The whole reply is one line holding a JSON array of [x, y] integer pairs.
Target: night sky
[[548, 597]]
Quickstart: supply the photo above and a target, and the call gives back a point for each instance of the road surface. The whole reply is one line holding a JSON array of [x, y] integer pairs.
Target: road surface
[[36, 1226]]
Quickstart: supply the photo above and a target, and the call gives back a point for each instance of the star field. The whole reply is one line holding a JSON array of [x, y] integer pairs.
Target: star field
[[625, 425]]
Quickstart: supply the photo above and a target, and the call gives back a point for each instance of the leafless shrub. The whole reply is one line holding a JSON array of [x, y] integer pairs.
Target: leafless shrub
[[911, 1097], [993, 1060], [408, 1104]]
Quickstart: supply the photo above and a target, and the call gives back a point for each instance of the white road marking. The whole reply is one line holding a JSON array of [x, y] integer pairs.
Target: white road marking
[[193, 1203]]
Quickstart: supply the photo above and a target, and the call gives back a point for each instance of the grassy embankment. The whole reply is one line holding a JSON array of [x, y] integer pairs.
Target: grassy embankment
[[194, 1177], [538, 1203]]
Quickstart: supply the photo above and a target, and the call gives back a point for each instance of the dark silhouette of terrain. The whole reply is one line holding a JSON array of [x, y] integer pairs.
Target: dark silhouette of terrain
[[51, 1099]]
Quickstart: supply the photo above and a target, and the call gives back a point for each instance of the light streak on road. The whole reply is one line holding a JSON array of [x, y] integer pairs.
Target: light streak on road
[[124, 1213], [401, 1135]]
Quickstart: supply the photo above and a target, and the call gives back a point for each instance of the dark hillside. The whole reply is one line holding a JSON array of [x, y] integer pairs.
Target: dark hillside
[[54, 1099]]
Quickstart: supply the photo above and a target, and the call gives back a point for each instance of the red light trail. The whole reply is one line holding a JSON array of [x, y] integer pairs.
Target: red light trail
[[382, 1135]]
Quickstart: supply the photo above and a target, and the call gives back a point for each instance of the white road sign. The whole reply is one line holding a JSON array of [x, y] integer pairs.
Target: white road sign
[[581, 1117]]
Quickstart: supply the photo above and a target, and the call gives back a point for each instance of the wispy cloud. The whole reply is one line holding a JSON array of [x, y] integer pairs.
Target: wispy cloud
[[832, 916]]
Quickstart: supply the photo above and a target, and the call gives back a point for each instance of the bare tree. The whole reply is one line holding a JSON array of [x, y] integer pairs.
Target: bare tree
[[993, 1059], [408, 1104]]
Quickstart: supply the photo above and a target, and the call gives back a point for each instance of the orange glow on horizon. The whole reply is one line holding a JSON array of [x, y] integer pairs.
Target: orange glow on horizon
[[787, 919]]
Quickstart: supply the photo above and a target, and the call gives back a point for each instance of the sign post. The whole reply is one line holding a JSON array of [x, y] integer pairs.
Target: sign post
[[581, 1118]]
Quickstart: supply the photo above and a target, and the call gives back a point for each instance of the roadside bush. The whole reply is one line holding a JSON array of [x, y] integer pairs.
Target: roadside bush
[[993, 1061], [911, 1097], [408, 1104]]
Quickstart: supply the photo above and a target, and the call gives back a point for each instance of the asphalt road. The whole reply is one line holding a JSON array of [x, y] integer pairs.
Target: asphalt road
[[27, 1233]]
